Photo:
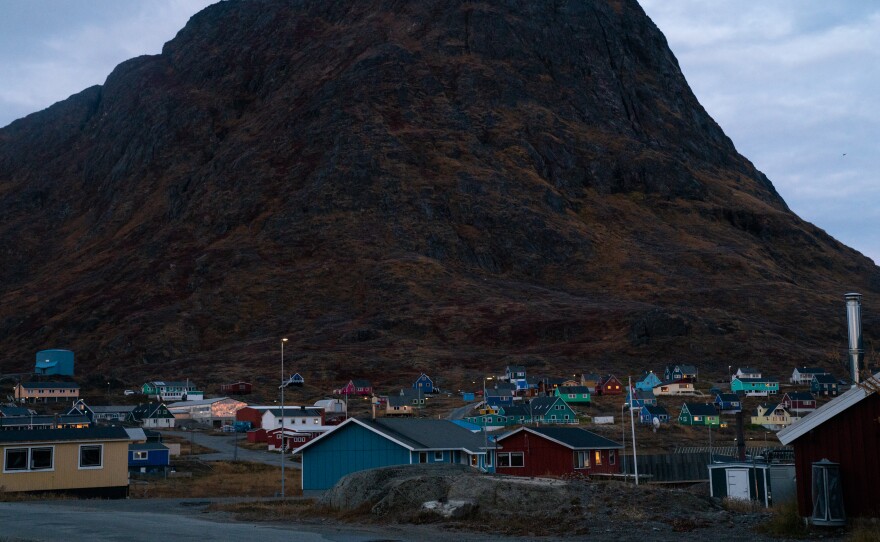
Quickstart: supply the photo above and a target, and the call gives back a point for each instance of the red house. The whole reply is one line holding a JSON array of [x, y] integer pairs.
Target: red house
[[799, 402], [555, 451], [356, 387], [294, 439], [239, 388], [846, 430], [609, 385], [253, 414]]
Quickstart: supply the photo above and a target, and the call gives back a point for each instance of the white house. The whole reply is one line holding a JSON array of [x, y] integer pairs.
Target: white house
[[676, 387], [294, 416], [746, 372], [804, 375]]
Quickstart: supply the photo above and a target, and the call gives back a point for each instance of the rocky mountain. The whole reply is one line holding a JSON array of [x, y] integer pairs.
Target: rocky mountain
[[400, 186]]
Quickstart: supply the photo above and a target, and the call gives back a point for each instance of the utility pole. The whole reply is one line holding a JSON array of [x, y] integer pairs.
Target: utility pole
[[282, 416]]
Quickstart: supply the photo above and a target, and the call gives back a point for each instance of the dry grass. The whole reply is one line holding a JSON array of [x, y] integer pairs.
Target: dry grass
[[289, 509], [864, 530], [222, 478], [785, 522], [187, 447], [742, 506]]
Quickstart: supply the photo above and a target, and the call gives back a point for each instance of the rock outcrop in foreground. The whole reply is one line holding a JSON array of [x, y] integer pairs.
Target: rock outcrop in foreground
[[399, 186]]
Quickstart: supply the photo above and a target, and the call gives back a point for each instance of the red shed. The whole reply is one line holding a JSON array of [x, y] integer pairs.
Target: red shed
[[845, 430], [257, 435], [555, 451], [239, 388]]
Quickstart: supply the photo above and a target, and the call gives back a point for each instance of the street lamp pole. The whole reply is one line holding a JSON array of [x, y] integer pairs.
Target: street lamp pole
[[282, 416], [623, 438], [485, 435]]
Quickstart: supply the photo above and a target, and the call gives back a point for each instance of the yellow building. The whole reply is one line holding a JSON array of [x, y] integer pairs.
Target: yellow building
[[44, 392], [772, 416], [91, 462]]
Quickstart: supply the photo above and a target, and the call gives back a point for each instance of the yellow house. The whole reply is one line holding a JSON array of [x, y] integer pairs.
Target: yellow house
[[91, 462], [772, 416], [44, 392]]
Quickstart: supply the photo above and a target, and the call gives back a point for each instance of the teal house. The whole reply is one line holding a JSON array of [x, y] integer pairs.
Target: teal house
[[552, 410], [698, 414], [754, 386], [573, 394], [360, 444]]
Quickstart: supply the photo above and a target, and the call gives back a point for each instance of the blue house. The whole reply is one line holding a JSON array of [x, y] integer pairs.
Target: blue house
[[640, 398], [54, 362], [648, 382], [728, 403], [649, 412], [424, 383], [499, 397], [148, 457], [360, 444]]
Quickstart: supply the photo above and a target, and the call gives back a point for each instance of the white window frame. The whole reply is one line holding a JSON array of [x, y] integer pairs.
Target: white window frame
[[141, 455], [100, 464], [438, 456], [30, 458], [612, 457], [581, 459]]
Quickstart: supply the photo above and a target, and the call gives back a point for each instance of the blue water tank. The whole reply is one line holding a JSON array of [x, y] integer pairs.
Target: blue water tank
[[54, 362]]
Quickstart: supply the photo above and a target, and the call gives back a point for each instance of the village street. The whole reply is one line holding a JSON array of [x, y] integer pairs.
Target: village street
[[225, 448]]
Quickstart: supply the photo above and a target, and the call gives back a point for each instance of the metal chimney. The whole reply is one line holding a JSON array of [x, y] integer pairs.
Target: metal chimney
[[854, 328]]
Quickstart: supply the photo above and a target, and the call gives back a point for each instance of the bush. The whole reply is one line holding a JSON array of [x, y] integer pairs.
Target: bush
[[785, 521]]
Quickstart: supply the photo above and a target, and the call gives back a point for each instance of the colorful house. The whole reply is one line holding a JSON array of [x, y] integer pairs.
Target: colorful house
[[591, 380], [640, 398], [647, 382], [424, 384], [165, 391], [499, 397], [361, 444], [293, 416], [824, 385], [674, 387], [844, 431], [404, 403], [295, 380], [151, 415], [45, 392], [148, 457], [804, 375], [728, 403], [89, 462], [555, 451], [54, 362], [609, 385], [514, 372], [799, 403], [573, 394], [754, 387], [698, 414], [648, 412], [356, 387], [688, 373], [747, 372], [772, 416], [551, 410]]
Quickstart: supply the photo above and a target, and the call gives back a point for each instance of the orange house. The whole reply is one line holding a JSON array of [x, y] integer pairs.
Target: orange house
[[44, 392]]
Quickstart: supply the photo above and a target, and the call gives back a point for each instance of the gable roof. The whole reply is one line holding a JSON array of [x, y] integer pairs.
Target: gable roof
[[700, 409], [13, 411], [570, 437], [188, 384], [748, 370], [824, 413], [46, 419], [656, 410], [573, 389], [799, 396], [106, 409], [58, 385], [516, 369], [541, 405], [728, 397], [149, 410], [415, 434], [199, 402], [811, 370], [361, 383], [50, 435], [499, 393], [825, 378], [762, 380], [516, 409]]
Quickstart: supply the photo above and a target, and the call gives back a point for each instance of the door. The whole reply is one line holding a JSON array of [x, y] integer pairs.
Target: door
[[738, 484]]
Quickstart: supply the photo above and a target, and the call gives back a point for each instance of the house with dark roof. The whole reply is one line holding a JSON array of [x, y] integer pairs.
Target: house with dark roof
[[754, 387], [609, 385], [804, 375], [7, 411], [688, 373], [824, 385], [843, 431], [555, 451], [360, 444], [356, 387], [772, 416], [148, 457], [551, 410], [573, 394], [799, 403], [499, 397], [45, 421], [45, 392], [727, 403], [87, 462], [649, 412], [636, 399], [424, 384], [151, 415], [698, 414]]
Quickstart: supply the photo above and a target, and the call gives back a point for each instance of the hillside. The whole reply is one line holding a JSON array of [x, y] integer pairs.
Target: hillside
[[405, 186]]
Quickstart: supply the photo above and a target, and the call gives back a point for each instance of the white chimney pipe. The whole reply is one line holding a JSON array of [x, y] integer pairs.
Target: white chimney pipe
[[854, 329]]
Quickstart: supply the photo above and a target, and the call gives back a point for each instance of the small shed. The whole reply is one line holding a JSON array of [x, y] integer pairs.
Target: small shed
[[768, 484]]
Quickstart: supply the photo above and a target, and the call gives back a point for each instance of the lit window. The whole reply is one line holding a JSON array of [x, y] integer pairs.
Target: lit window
[[597, 457], [140, 456]]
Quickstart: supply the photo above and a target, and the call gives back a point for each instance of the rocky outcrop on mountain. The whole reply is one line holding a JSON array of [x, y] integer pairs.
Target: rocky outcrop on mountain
[[398, 186]]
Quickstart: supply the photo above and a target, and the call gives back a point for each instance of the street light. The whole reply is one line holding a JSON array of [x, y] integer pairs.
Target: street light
[[282, 416], [485, 436]]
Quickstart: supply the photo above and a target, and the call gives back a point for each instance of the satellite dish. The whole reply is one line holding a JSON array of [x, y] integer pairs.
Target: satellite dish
[[656, 423]]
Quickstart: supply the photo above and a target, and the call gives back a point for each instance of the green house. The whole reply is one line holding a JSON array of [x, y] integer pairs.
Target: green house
[[573, 394], [698, 414]]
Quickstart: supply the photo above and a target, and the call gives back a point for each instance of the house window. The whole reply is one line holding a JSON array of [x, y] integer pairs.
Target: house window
[[597, 457], [423, 457], [90, 456], [140, 456], [571, 396], [582, 460], [16, 459], [612, 457], [511, 459], [438, 456], [28, 459]]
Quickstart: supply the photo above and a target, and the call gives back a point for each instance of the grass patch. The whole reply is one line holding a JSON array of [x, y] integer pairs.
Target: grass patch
[[785, 522], [288, 509], [864, 531], [221, 479], [187, 447]]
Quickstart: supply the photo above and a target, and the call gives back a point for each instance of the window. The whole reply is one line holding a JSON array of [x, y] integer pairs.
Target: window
[[597, 457], [16, 459], [438, 456], [511, 459], [612, 457], [582, 460], [90, 456], [140, 456], [28, 459]]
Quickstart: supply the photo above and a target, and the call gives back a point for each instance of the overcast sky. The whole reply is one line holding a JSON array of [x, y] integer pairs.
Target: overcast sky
[[795, 84]]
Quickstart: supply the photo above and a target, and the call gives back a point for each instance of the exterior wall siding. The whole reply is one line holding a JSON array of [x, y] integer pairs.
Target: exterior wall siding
[[349, 449], [543, 457], [66, 473], [852, 438]]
